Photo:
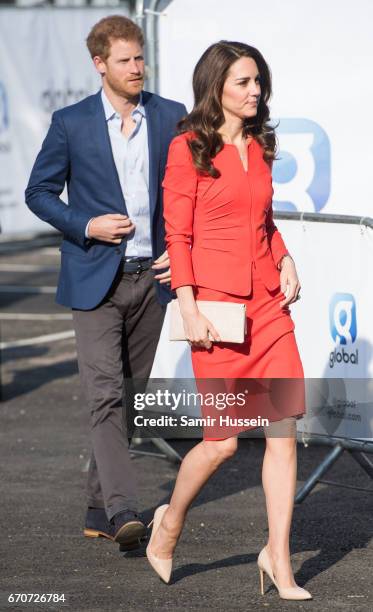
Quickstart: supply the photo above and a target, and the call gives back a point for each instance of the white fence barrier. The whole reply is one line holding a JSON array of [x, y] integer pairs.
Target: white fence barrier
[[333, 327]]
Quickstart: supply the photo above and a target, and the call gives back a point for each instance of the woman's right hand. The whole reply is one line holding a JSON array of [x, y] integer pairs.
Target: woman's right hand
[[197, 328]]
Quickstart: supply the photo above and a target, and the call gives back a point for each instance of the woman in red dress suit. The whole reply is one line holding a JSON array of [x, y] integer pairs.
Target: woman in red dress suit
[[223, 245]]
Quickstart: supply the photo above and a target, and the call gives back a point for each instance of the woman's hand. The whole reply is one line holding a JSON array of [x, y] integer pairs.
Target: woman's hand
[[197, 329], [289, 281], [196, 326]]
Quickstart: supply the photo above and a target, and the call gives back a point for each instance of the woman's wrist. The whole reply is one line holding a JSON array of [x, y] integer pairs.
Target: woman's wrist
[[283, 260], [188, 311], [187, 303]]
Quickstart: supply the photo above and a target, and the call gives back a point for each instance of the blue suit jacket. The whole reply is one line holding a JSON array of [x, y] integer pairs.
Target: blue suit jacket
[[77, 152]]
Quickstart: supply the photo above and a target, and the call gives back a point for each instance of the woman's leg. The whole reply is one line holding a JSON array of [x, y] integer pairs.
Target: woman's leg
[[279, 482], [196, 468]]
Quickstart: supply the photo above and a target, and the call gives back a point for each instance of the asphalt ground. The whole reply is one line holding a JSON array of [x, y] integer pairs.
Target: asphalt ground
[[44, 451]]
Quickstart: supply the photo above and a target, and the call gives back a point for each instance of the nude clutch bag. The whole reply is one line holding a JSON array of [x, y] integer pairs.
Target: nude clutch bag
[[228, 318]]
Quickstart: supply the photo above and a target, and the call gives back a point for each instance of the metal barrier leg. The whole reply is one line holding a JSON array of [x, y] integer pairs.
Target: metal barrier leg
[[363, 461], [167, 452], [167, 449], [321, 469]]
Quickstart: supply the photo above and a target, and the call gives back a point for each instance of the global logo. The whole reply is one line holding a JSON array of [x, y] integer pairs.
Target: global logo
[[4, 111], [302, 174], [342, 315], [343, 328]]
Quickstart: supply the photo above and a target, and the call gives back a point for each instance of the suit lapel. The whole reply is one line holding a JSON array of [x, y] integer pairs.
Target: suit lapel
[[101, 143], [154, 145]]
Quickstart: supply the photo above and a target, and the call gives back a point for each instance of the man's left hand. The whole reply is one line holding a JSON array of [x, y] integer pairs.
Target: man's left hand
[[163, 262]]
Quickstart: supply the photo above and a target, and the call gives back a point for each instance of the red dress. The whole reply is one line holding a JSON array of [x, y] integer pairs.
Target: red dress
[[221, 239]]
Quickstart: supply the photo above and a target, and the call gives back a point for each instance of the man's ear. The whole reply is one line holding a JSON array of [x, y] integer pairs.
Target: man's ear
[[99, 65]]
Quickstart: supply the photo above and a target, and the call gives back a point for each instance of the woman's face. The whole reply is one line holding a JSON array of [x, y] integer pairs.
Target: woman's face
[[241, 91]]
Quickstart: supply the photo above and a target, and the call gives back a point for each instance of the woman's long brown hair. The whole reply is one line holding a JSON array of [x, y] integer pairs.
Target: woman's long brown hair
[[207, 115]]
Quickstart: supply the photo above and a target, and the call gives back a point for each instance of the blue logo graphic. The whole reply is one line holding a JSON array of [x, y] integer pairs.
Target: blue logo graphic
[[342, 316], [302, 172], [4, 111]]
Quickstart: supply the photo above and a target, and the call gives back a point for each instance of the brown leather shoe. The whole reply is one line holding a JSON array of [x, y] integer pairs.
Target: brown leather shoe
[[97, 524], [128, 527]]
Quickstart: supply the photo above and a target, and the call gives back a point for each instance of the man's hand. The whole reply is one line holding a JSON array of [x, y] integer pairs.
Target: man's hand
[[163, 262], [110, 228], [290, 286]]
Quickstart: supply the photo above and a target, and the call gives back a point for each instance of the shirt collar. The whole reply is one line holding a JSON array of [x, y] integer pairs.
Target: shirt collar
[[110, 111]]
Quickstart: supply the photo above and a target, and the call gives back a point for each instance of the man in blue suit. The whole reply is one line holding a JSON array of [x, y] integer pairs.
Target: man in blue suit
[[111, 150]]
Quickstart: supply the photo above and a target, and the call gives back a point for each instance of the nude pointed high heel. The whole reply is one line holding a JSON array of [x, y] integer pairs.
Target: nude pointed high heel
[[264, 565], [163, 567]]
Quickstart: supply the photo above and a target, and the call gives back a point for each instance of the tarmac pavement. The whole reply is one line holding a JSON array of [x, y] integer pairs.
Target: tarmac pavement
[[43, 454]]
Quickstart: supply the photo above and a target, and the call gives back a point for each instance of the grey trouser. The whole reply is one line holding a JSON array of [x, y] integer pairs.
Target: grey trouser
[[116, 340]]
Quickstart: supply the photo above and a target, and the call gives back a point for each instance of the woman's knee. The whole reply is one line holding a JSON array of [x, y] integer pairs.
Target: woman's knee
[[220, 450], [282, 447], [285, 428]]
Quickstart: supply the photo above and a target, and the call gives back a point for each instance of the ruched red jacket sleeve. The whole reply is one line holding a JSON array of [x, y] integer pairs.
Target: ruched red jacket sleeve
[[276, 243], [275, 240], [179, 198]]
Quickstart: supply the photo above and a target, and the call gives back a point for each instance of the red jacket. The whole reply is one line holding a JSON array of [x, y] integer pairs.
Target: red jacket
[[216, 228]]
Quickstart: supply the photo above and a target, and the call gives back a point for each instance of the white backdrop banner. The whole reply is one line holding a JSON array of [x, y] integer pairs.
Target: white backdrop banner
[[320, 54], [44, 65], [333, 323]]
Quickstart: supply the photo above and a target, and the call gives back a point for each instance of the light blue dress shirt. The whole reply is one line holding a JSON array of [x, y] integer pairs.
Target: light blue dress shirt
[[131, 158]]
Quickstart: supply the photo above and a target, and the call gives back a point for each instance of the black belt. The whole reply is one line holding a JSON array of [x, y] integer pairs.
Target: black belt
[[135, 265]]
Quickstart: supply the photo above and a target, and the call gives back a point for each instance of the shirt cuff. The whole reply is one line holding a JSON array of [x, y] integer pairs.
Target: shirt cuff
[[87, 228]]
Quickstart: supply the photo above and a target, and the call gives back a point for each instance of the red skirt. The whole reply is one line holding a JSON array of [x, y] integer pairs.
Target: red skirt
[[266, 369]]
